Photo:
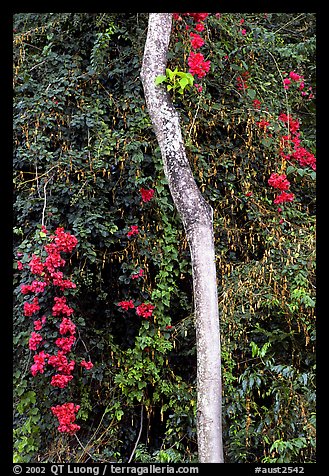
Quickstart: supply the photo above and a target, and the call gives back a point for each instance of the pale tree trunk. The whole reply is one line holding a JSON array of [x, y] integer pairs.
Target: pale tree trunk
[[197, 217]]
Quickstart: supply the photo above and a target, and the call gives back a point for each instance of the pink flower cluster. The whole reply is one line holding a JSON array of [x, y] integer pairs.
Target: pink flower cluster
[[60, 242]]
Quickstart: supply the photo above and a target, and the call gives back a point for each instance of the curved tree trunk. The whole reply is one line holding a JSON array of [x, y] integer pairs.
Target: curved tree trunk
[[197, 217]]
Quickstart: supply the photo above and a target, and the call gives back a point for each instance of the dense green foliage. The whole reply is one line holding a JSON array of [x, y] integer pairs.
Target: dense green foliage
[[83, 147]]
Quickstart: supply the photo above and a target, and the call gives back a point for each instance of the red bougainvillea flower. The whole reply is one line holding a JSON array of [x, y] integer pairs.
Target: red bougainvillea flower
[[39, 363], [304, 157], [87, 365], [61, 364], [145, 310], [133, 230], [65, 343], [35, 341], [196, 41], [256, 103], [241, 80], [177, 17], [286, 83], [263, 124], [279, 181], [61, 307], [54, 259], [198, 16], [39, 323], [147, 195], [60, 380], [64, 241], [294, 76], [292, 123], [138, 275], [35, 287], [199, 27], [66, 417], [198, 66], [126, 305], [31, 308], [36, 265], [67, 326], [284, 197]]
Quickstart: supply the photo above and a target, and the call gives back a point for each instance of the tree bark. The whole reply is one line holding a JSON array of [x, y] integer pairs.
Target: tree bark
[[197, 218]]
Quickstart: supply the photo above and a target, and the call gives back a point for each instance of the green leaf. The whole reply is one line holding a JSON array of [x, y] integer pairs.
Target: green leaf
[[290, 169], [160, 79], [170, 73], [251, 93], [183, 82]]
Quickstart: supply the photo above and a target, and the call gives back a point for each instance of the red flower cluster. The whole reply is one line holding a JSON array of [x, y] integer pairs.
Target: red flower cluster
[[126, 305], [65, 343], [133, 230], [197, 64], [256, 103], [60, 363], [60, 380], [60, 307], [263, 124], [198, 17], [36, 265], [48, 269], [64, 241], [35, 287], [66, 417], [39, 363], [87, 365], [293, 77], [241, 80], [67, 326], [145, 310], [292, 140], [138, 275], [39, 323], [147, 195], [279, 181], [35, 341], [284, 197], [31, 308], [196, 41]]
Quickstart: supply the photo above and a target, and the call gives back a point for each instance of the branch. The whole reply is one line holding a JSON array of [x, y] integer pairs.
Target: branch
[[139, 435]]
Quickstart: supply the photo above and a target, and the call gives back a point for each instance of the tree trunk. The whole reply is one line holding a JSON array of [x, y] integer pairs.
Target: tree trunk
[[197, 218]]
